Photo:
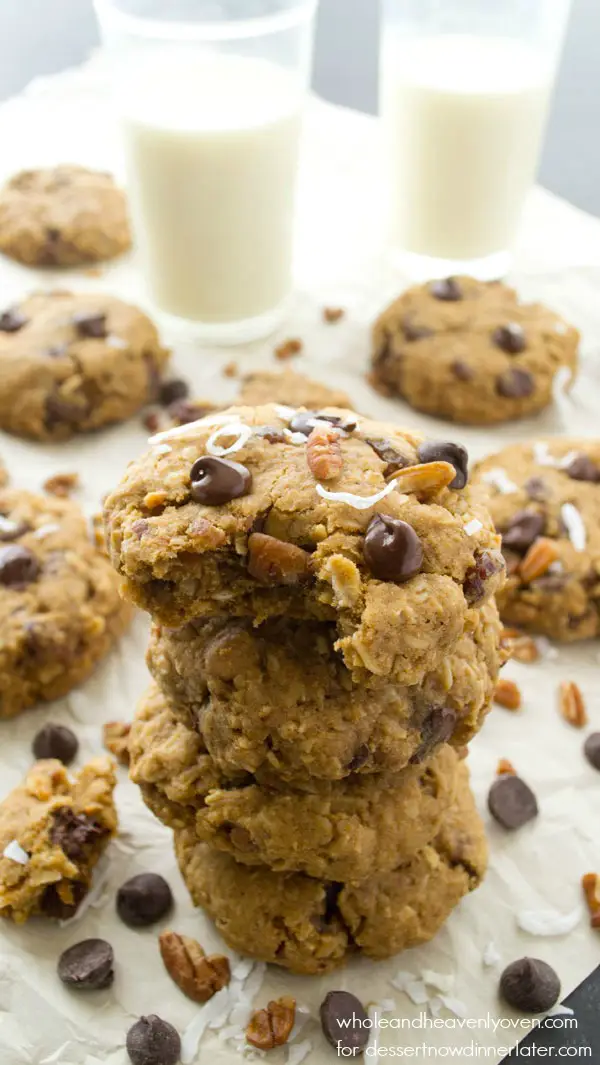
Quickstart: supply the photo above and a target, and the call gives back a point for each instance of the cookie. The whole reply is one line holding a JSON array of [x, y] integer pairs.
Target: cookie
[[337, 830], [545, 501], [259, 512], [469, 351], [288, 387], [313, 926], [73, 363], [278, 701], [53, 830], [63, 216], [3, 474], [60, 609]]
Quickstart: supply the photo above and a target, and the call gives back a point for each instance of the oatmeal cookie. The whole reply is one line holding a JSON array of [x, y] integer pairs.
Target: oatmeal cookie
[[288, 387]]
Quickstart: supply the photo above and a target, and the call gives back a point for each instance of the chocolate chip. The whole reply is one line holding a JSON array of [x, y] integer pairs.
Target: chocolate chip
[[591, 749], [447, 289], [152, 1041], [462, 371], [216, 481], [537, 489], [271, 433], [446, 451], [389, 454], [12, 530], [524, 529], [343, 1020], [361, 757], [56, 741], [171, 391], [437, 728], [54, 906], [61, 409], [515, 384], [510, 338], [143, 900], [12, 320], [414, 332], [392, 549], [304, 421], [583, 469], [73, 832], [486, 565], [347, 425], [530, 985], [18, 566], [511, 802], [184, 411], [551, 583], [87, 966], [90, 324]]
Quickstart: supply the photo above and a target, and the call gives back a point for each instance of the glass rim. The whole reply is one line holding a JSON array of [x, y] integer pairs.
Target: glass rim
[[110, 15]]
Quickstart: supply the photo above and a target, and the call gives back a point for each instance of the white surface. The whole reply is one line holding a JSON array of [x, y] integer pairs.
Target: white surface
[[538, 869]]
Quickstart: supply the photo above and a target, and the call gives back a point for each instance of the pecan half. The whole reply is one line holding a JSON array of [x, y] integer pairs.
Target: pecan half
[[424, 479], [274, 561], [507, 694], [571, 704], [271, 1027], [333, 314], [115, 737], [324, 453], [196, 975], [590, 883], [538, 559], [288, 349]]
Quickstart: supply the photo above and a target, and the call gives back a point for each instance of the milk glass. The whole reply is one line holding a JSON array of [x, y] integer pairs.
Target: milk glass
[[465, 92], [211, 98]]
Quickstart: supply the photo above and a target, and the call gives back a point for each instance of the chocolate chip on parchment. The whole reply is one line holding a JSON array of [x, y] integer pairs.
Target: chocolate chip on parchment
[[446, 289], [56, 741], [510, 338], [90, 324], [18, 566], [515, 384], [152, 1041], [591, 749], [583, 469], [343, 1020], [143, 900], [511, 802], [462, 371], [73, 832], [412, 331], [524, 529], [392, 549], [12, 320], [447, 451], [216, 481], [173, 390], [87, 966], [530, 985]]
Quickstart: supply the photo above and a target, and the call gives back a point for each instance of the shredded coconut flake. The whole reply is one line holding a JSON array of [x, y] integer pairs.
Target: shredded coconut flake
[[15, 853], [243, 969], [473, 527], [491, 955], [443, 982], [561, 382], [283, 411], [541, 454], [412, 986], [455, 1005], [190, 1040], [574, 525], [46, 530], [7, 526], [566, 461], [295, 438], [500, 480], [435, 1005], [548, 922], [545, 648], [191, 428], [297, 1053], [359, 502], [162, 449], [116, 342], [560, 1011], [241, 431]]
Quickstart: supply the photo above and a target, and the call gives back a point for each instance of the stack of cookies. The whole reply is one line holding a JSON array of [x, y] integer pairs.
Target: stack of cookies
[[325, 643]]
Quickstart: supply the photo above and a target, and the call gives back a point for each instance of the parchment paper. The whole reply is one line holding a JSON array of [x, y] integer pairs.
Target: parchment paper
[[539, 868]]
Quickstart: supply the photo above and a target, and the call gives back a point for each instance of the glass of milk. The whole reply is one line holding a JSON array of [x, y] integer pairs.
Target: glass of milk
[[211, 96], [465, 92]]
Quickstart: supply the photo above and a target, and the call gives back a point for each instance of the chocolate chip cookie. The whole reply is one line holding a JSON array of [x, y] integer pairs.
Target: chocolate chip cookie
[[278, 701], [336, 830], [73, 363], [60, 609], [63, 216], [545, 501], [313, 926], [264, 512], [468, 351], [288, 387], [53, 830]]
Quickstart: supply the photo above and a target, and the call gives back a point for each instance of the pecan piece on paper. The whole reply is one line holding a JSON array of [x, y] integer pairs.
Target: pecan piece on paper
[[198, 976]]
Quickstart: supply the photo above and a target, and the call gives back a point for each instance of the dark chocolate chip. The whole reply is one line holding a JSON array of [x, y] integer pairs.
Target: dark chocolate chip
[[56, 741], [537, 489], [271, 433], [388, 453], [332, 894], [524, 529], [62, 409], [447, 289], [152, 1041], [216, 481], [73, 832], [515, 384], [361, 757], [304, 421], [90, 324], [510, 338], [486, 565], [347, 425], [343, 1020], [184, 411], [171, 391], [18, 566], [143, 900], [446, 451], [87, 966], [511, 802], [462, 371], [392, 549], [12, 530], [412, 331], [12, 320], [591, 749], [437, 728], [54, 906], [530, 985], [583, 469]]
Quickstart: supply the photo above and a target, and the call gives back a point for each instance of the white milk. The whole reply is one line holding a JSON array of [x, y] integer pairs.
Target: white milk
[[463, 120], [212, 154]]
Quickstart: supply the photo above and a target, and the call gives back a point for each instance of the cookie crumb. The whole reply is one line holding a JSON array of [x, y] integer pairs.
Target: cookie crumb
[[507, 694], [115, 737], [230, 369], [590, 883], [505, 767], [333, 314], [288, 349], [571, 704], [62, 484]]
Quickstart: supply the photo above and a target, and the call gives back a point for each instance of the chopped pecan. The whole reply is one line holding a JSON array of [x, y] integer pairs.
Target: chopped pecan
[[425, 478], [275, 561], [198, 976], [115, 736], [590, 883], [333, 314], [507, 694], [62, 484], [271, 1027], [230, 369], [505, 767], [571, 704], [324, 453], [288, 349], [540, 556]]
